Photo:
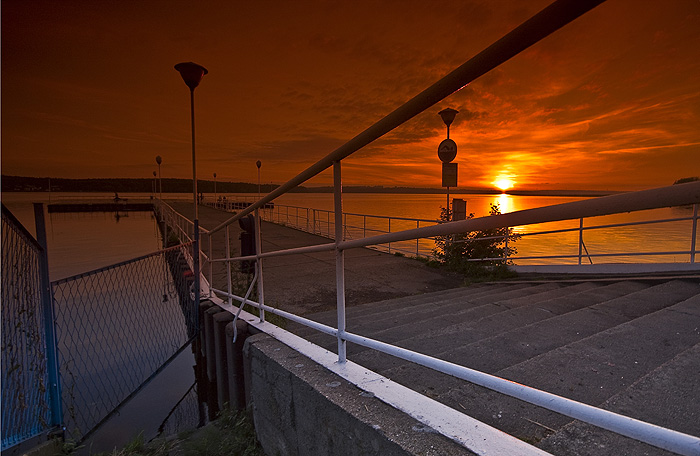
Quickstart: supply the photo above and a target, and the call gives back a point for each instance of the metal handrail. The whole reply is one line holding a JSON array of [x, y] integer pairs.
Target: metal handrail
[[541, 25], [683, 194]]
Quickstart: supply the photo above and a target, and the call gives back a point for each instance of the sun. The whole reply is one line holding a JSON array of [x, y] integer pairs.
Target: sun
[[503, 183]]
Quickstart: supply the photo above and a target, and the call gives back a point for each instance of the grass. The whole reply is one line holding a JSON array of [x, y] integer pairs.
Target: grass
[[232, 433]]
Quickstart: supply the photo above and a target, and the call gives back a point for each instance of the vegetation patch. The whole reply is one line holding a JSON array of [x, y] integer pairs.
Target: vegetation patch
[[479, 255]]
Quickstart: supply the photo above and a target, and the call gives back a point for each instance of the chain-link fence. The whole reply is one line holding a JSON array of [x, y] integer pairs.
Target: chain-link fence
[[116, 328], [25, 400]]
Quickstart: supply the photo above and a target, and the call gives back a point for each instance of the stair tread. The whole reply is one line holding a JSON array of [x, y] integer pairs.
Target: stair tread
[[507, 319], [590, 370], [664, 397]]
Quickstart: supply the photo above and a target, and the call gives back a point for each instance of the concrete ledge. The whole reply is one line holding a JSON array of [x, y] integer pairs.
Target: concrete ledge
[[610, 268], [301, 408]]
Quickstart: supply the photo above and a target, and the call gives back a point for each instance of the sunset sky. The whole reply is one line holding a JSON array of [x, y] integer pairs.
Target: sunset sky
[[610, 102]]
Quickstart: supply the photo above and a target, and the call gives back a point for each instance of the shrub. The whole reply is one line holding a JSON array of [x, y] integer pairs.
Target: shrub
[[458, 251]]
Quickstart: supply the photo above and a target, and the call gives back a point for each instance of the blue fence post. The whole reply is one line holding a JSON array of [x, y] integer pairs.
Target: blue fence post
[[54, 387]]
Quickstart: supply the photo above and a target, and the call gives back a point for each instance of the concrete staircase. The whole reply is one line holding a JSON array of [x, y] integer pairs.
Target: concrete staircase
[[630, 346]]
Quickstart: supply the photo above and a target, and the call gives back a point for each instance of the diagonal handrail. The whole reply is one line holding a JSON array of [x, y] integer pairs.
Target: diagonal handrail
[[541, 25]]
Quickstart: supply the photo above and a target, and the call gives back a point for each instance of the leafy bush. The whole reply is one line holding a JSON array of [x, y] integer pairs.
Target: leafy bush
[[458, 251]]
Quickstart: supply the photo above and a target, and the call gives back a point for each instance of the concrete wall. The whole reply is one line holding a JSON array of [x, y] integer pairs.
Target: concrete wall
[[301, 408]]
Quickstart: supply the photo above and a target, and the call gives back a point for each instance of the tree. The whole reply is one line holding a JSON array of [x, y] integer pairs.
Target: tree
[[459, 252]]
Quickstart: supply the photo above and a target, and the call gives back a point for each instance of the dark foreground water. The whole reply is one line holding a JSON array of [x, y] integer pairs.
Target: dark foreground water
[[82, 242]]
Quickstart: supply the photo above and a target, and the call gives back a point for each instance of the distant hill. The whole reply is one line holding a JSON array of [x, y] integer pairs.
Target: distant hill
[[41, 184]]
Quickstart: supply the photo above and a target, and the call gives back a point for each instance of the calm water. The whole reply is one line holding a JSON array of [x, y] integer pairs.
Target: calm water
[[81, 242], [663, 237]]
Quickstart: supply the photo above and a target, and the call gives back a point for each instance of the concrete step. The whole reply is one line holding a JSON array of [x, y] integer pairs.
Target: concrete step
[[399, 324], [667, 397], [590, 370], [506, 349], [452, 343], [387, 308]]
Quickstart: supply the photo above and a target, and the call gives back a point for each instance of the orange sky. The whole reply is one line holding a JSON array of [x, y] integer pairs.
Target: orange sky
[[612, 101]]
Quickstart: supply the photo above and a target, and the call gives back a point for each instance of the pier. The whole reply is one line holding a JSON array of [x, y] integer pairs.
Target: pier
[[594, 339]]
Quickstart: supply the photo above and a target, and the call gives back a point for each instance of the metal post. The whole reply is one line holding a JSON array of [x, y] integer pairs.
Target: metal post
[[259, 264], [195, 256], [449, 216], [211, 267], [505, 252], [580, 240], [228, 265], [390, 232], [339, 260], [694, 233], [54, 388], [417, 240]]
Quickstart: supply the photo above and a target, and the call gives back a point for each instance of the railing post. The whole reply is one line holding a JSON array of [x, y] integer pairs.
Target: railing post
[[339, 260], [259, 264], [694, 233], [417, 239], [52, 369], [228, 265], [390, 232], [211, 267], [580, 240]]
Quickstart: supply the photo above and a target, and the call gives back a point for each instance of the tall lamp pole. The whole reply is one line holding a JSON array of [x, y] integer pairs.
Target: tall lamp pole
[[258, 164], [160, 181], [192, 74], [153, 187]]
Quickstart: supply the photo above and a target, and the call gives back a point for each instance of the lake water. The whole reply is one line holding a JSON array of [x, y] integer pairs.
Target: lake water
[[81, 242]]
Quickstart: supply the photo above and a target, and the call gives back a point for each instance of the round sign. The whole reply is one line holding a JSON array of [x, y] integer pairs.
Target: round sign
[[447, 150]]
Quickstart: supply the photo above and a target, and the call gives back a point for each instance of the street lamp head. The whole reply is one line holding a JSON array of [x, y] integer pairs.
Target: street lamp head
[[159, 160], [448, 115], [191, 73], [154, 174], [258, 164], [214, 175]]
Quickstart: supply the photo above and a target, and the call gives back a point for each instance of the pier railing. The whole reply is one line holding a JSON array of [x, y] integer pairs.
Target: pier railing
[[355, 226], [588, 242], [31, 404], [117, 327], [549, 20]]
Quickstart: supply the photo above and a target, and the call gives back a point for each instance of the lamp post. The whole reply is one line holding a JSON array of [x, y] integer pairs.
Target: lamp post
[[447, 151], [192, 74], [258, 164], [153, 187], [160, 181], [214, 189]]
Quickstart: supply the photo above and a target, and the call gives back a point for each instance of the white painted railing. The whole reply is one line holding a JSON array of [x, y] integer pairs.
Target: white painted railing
[[549, 20], [357, 226]]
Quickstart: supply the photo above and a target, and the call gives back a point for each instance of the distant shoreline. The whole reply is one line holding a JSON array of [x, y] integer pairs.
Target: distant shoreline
[[58, 185]]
